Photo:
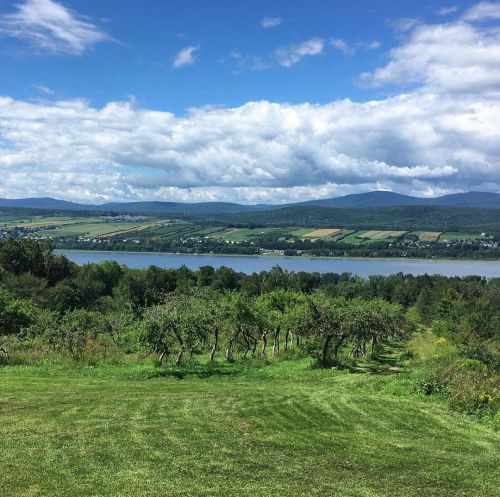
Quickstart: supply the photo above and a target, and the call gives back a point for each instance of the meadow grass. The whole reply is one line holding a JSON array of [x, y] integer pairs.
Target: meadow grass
[[241, 429]]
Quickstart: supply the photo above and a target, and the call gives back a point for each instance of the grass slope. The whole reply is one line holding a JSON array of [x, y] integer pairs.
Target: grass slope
[[232, 430]]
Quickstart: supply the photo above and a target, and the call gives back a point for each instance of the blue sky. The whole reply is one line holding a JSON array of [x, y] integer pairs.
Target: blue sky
[[149, 33], [247, 100]]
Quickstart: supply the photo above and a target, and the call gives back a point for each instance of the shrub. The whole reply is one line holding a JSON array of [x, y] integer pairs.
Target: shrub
[[467, 384]]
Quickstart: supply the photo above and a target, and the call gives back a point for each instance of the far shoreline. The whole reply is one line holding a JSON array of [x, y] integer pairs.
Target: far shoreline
[[259, 256]]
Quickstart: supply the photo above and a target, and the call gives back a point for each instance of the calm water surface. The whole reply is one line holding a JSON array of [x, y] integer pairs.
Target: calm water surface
[[250, 264]]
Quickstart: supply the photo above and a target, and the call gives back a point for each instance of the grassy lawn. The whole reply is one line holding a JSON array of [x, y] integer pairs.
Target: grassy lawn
[[232, 430]]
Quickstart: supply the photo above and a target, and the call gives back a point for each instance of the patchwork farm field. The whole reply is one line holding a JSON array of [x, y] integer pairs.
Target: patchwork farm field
[[163, 229], [38, 221], [94, 229], [244, 234], [428, 236], [449, 236], [323, 233], [282, 430], [382, 235], [371, 236]]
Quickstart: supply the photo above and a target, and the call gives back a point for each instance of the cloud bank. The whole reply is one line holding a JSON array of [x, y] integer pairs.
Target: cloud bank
[[414, 142]]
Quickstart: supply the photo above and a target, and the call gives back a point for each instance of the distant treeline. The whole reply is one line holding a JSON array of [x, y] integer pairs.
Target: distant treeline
[[320, 248]]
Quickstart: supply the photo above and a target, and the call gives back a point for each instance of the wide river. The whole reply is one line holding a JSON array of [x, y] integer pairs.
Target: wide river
[[250, 264]]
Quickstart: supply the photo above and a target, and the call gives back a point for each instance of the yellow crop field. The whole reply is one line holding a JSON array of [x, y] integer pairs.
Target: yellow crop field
[[382, 235], [429, 236], [323, 233]]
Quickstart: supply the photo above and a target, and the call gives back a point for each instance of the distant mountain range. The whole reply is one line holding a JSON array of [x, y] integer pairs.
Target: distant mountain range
[[361, 200], [483, 200]]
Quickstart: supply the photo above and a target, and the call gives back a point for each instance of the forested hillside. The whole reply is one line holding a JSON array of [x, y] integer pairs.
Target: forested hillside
[[402, 217]]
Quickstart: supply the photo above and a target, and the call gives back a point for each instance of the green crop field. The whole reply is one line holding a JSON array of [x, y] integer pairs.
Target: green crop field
[[235, 430], [249, 234], [382, 235], [364, 237], [94, 229], [37, 221], [449, 236]]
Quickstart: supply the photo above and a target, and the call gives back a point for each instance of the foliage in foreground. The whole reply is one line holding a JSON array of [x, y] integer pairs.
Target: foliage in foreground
[[105, 312]]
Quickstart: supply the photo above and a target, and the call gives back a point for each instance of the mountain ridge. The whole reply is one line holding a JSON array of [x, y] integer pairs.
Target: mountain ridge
[[358, 200]]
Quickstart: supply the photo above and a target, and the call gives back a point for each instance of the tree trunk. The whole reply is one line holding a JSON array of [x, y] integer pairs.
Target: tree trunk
[[230, 345], [247, 345], [215, 345], [181, 350], [178, 359], [264, 345], [337, 346], [160, 359], [324, 355], [357, 350], [254, 348], [276, 341]]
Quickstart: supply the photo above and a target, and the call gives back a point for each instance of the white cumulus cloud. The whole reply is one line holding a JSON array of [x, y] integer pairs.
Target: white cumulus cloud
[[445, 11], [51, 28], [343, 46], [483, 11], [45, 90], [457, 56], [185, 56], [258, 152], [270, 22], [289, 55]]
